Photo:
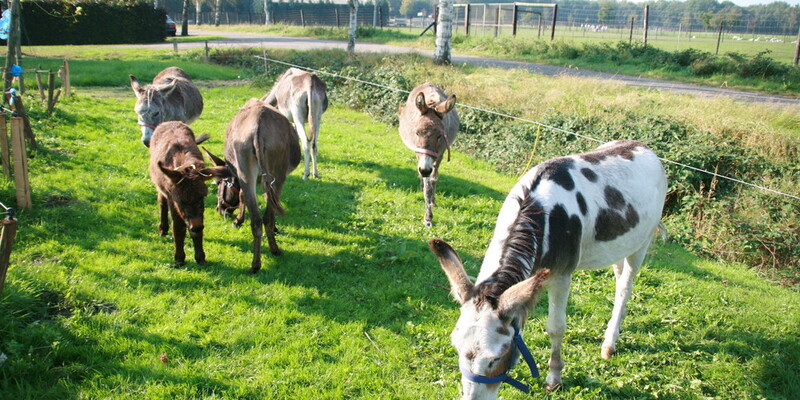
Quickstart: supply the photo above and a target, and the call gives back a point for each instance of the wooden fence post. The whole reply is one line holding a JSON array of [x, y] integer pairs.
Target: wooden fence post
[[514, 12], [553, 24], [646, 23], [797, 49], [20, 156], [466, 20], [4, 146], [6, 241]]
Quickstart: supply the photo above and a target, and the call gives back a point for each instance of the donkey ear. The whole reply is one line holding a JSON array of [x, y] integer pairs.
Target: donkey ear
[[166, 89], [460, 285], [447, 105], [422, 105], [217, 161], [137, 88], [215, 172], [522, 296], [174, 176]]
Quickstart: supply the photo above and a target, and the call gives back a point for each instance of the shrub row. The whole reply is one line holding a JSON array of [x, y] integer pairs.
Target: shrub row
[[56, 23], [717, 218]]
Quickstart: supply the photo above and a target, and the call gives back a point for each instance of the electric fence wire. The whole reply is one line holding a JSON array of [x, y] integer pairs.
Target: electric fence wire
[[529, 121]]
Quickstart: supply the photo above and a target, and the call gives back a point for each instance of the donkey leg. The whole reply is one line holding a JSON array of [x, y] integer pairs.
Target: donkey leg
[[178, 236], [269, 214], [625, 271], [250, 199], [428, 191], [558, 293], [163, 223], [314, 156], [237, 222], [299, 126], [196, 233]]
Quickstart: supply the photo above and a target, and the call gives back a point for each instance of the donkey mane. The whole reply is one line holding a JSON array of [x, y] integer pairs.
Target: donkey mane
[[521, 252]]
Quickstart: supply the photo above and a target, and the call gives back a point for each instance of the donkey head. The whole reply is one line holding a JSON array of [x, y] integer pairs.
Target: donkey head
[[190, 190], [484, 333], [431, 139], [151, 106], [228, 188]]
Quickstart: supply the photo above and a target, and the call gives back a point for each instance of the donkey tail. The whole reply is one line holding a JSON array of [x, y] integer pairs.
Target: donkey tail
[[272, 198], [317, 104]]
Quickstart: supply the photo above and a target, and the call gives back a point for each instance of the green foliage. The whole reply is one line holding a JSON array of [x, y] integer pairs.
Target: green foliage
[[50, 23]]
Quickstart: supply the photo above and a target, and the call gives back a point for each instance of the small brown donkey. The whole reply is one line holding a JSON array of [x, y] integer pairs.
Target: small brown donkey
[[428, 126], [171, 97], [260, 145], [179, 174], [302, 97]]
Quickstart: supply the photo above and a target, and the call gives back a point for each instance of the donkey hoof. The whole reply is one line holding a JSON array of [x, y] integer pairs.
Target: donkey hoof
[[253, 270], [607, 352], [276, 251], [553, 387], [428, 223]]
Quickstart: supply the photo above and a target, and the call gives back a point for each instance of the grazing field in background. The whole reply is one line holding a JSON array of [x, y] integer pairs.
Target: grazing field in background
[[355, 308]]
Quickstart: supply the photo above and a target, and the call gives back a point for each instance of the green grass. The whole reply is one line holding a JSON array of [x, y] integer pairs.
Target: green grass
[[355, 307]]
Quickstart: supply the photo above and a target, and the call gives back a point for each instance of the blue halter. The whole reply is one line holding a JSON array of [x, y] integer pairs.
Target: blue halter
[[519, 348]]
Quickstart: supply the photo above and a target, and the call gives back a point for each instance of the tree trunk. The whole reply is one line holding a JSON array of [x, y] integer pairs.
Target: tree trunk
[[266, 12], [216, 12], [351, 37], [185, 19], [444, 33], [13, 42], [198, 8]]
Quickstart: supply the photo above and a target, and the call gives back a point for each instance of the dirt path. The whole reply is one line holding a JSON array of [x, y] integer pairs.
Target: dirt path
[[235, 39]]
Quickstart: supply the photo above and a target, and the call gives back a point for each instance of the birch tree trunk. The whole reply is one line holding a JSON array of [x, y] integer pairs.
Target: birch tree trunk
[[216, 12], [351, 37], [266, 12], [444, 33], [185, 19], [198, 8]]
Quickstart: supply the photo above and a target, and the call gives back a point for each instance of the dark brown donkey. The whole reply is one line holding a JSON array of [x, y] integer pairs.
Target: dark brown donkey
[[260, 145], [178, 171]]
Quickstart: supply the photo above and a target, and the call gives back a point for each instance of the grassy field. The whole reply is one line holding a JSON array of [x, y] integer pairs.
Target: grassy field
[[355, 308]]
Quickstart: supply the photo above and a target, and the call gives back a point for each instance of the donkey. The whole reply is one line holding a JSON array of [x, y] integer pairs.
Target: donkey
[[429, 125], [260, 144], [171, 97], [302, 97], [179, 174], [584, 211]]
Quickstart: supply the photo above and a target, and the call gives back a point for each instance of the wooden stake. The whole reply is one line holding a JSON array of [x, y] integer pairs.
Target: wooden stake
[[65, 80], [4, 147], [6, 241], [20, 164]]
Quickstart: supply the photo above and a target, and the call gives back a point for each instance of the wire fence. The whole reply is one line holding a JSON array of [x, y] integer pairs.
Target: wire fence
[[537, 123]]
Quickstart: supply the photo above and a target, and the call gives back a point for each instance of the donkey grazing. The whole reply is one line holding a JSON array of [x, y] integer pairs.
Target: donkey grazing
[[178, 171], [302, 97], [171, 97], [584, 211], [260, 144], [428, 125]]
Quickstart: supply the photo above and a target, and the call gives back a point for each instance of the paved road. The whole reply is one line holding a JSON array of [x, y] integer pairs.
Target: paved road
[[234, 39]]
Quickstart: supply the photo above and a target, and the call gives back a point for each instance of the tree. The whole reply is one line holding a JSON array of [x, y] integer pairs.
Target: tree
[[444, 33], [351, 36], [606, 13], [267, 5], [185, 18], [217, 7]]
